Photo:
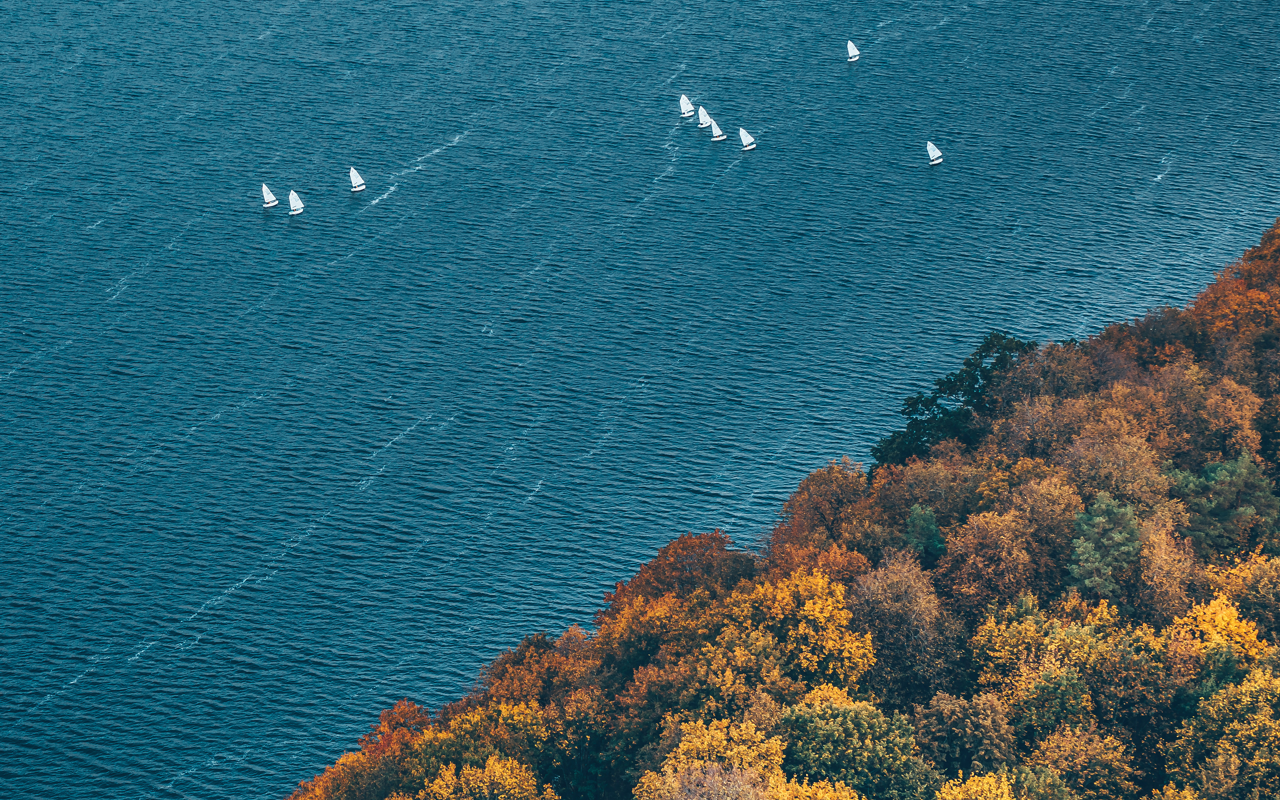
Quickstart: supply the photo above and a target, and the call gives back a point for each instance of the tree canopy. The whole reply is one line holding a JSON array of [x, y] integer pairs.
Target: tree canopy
[[1059, 581]]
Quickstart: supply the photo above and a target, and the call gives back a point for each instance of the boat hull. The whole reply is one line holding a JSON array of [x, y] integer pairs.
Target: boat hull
[[686, 115], [295, 213], [700, 125], [933, 162], [272, 204], [852, 59], [719, 138], [359, 188], [751, 146]]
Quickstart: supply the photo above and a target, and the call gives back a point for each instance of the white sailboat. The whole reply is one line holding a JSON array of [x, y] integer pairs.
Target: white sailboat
[[704, 119], [853, 52], [357, 183], [295, 203], [268, 199], [717, 135], [686, 108], [748, 141], [935, 155]]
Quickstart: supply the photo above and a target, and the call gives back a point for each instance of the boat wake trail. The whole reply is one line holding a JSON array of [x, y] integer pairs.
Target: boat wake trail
[[417, 162], [380, 197]]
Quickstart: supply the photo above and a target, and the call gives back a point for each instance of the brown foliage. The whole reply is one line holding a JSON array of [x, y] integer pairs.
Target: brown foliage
[[694, 561], [1204, 419], [1048, 507], [947, 484], [914, 638], [708, 782], [986, 561], [1169, 570], [836, 561], [1243, 299], [1112, 454], [958, 735], [1240, 312], [1058, 370], [1042, 427], [1096, 767], [395, 725], [542, 671], [820, 506]]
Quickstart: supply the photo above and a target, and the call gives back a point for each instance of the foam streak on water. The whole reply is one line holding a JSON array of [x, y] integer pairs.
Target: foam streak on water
[[264, 475]]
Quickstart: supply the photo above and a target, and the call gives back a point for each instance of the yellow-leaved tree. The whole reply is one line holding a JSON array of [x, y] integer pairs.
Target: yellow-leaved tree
[[727, 759], [806, 615], [1228, 749], [978, 787], [1212, 636], [499, 779]]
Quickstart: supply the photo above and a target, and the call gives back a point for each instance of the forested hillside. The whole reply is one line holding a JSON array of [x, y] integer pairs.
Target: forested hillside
[[1060, 581]]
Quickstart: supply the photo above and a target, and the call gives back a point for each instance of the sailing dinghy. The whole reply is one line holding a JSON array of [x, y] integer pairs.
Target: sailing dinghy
[[717, 135], [853, 52], [704, 119], [748, 141], [935, 155], [686, 108], [357, 183], [295, 203], [268, 199]]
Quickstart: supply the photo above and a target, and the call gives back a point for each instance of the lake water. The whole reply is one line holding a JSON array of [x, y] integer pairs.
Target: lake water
[[263, 475]]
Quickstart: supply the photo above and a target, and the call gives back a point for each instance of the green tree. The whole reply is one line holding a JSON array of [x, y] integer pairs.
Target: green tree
[[959, 406], [1233, 508], [1107, 546], [1045, 698], [923, 535], [856, 745]]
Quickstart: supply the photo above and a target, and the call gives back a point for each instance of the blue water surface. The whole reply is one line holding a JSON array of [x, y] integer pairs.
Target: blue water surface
[[263, 475]]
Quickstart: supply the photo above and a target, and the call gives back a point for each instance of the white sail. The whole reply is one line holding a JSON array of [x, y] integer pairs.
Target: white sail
[[686, 108], [268, 199], [704, 119], [935, 155], [717, 135], [748, 141], [357, 183], [853, 52], [295, 203]]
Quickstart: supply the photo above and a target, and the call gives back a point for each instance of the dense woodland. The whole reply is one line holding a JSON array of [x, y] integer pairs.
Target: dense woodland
[[1060, 581]]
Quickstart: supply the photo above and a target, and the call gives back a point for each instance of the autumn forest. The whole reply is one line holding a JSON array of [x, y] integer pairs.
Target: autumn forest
[[1060, 580]]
